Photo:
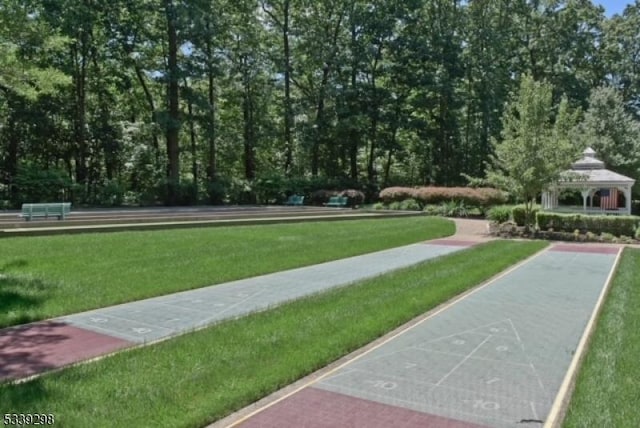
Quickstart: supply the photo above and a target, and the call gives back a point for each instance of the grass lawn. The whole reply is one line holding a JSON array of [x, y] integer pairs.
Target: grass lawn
[[607, 392], [43, 277], [203, 376]]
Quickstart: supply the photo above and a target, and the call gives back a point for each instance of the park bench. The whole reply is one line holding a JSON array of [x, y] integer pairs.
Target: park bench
[[337, 201], [295, 200], [54, 209]]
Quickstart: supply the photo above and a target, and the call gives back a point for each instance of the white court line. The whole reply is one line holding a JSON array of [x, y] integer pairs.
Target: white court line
[[457, 366], [556, 415], [435, 312]]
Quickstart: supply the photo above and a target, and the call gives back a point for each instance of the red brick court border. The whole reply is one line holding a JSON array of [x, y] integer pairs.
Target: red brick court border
[[316, 408], [35, 348], [586, 248]]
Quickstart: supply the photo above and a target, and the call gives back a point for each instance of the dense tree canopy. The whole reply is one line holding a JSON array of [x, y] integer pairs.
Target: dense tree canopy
[[180, 101]]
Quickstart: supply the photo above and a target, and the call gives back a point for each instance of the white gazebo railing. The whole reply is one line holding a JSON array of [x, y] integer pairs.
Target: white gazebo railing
[[589, 176]]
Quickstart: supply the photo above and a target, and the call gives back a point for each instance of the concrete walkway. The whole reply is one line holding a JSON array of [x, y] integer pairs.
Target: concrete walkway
[[39, 347], [495, 358]]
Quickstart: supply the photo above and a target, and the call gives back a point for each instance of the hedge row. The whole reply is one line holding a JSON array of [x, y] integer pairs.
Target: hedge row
[[615, 225], [479, 197]]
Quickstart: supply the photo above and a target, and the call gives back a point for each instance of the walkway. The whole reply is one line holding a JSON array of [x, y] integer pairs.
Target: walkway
[[497, 357], [39, 347]]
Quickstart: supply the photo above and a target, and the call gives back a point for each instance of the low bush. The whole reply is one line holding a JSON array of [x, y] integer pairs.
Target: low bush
[[431, 209], [500, 213], [356, 197], [454, 209], [474, 197], [518, 214], [598, 224], [410, 205]]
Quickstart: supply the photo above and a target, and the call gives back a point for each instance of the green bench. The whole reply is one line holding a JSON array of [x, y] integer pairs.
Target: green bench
[[337, 201], [54, 209], [295, 200]]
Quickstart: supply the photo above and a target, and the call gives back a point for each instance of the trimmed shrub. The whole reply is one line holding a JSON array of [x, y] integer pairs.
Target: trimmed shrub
[[518, 214], [637, 235], [475, 197], [356, 197], [499, 213], [379, 206], [598, 224]]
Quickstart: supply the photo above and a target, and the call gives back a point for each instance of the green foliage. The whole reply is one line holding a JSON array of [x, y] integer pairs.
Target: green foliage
[[38, 184], [433, 210], [111, 193], [612, 132], [534, 148], [410, 205], [519, 214], [454, 209], [500, 213], [615, 225]]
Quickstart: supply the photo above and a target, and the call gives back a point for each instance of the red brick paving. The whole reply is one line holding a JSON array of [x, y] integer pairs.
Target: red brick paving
[[317, 408], [35, 348], [573, 248]]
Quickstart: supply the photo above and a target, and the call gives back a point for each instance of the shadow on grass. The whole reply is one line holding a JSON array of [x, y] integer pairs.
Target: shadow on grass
[[20, 295]]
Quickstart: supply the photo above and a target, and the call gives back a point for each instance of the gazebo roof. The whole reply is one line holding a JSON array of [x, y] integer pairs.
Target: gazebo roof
[[592, 170]]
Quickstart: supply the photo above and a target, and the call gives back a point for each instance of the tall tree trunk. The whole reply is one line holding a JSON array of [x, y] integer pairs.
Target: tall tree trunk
[[80, 59], [211, 123], [249, 125], [192, 139], [152, 107], [173, 95], [319, 123], [288, 108]]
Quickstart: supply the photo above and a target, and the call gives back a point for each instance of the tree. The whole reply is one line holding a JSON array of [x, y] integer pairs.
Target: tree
[[534, 148], [611, 131]]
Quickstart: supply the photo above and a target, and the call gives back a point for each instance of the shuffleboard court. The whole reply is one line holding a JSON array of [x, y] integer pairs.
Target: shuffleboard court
[[161, 317], [495, 358], [39, 347]]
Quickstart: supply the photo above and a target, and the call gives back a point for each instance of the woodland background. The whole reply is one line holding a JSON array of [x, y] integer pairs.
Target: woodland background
[[241, 101]]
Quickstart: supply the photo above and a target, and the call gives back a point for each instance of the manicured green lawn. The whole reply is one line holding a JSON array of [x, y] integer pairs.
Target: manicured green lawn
[[607, 392], [203, 376], [43, 277]]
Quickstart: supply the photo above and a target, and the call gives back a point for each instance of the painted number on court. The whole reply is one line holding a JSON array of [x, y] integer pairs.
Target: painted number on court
[[484, 405], [98, 320], [142, 330], [383, 384]]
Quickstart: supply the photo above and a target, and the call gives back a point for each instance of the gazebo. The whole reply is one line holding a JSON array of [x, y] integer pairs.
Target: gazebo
[[589, 176]]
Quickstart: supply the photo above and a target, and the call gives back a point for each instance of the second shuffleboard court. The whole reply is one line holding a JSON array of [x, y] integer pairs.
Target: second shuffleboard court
[[497, 358]]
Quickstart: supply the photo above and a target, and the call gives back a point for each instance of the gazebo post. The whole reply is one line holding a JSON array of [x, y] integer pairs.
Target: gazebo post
[[627, 199], [585, 195]]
